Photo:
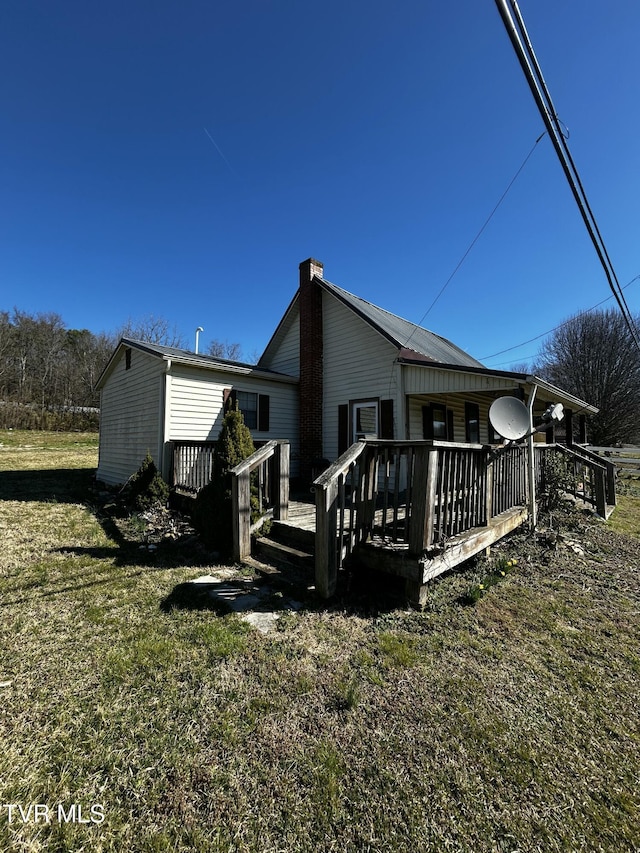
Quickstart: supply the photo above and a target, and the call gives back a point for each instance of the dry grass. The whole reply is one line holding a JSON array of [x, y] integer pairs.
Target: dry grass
[[509, 725]]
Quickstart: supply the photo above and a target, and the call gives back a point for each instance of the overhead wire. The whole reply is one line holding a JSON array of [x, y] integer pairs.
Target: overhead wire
[[521, 43], [417, 325], [559, 326]]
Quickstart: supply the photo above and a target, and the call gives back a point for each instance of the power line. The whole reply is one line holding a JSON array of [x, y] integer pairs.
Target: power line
[[524, 51], [559, 326], [475, 240]]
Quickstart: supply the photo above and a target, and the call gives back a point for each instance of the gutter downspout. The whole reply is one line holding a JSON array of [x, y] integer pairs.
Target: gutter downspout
[[531, 470]]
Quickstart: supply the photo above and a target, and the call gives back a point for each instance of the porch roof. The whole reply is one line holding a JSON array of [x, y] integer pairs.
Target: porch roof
[[412, 359]]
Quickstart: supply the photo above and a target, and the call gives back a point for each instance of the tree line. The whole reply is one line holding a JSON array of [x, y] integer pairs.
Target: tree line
[[48, 372]]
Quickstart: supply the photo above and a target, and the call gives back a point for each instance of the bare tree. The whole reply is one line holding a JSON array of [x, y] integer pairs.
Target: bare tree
[[522, 367], [223, 349], [153, 330], [594, 357]]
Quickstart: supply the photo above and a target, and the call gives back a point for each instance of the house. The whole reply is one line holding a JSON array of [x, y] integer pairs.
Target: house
[[154, 396], [336, 369]]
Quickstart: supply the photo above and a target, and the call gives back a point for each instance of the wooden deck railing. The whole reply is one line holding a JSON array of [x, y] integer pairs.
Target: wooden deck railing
[[192, 465], [413, 495], [265, 475], [590, 478]]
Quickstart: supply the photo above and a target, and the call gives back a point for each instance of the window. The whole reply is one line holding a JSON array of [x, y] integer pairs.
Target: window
[[127, 358], [362, 419], [254, 407], [365, 420], [437, 422], [472, 422], [248, 405]]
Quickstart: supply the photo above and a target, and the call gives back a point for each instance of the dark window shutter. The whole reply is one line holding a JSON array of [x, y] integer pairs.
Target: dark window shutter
[[386, 419], [229, 399], [427, 423], [263, 413], [450, 435], [343, 429]]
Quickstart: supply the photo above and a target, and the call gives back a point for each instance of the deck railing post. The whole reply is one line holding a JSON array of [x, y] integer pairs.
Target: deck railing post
[[488, 493], [326, 567], [367, 491], [241, 515], [601, 491], [424, 487], [281, 489]]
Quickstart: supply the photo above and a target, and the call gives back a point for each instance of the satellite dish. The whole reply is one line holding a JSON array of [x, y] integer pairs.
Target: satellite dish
[[509, 417]]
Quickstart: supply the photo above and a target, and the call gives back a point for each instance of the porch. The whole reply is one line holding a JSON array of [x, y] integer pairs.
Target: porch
[[413, 509]]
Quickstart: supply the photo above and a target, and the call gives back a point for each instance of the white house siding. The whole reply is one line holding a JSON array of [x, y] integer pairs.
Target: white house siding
[[359, 364], [286, 349], [423, 380], [130, 416], [197, 405]]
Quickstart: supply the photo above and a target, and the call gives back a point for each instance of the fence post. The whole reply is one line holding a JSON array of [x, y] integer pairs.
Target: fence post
[[241, 515], [425, 479], [281, 506], [326, 539]]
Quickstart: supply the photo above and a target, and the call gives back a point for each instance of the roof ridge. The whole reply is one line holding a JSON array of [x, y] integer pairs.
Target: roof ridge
[[395, 329]]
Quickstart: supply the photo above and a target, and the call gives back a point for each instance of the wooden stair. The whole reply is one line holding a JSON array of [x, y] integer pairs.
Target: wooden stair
[[287, 551]]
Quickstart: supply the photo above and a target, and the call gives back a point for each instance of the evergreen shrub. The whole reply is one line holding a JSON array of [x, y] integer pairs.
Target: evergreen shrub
[[212, 515], [147, 488]]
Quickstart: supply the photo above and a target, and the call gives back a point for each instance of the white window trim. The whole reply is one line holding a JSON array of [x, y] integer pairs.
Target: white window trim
[[364, 404]]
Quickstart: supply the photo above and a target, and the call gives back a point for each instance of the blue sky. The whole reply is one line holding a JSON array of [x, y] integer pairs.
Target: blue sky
[[181, 159]]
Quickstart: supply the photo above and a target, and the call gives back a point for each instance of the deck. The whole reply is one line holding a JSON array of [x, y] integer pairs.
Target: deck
[[382, 554], [409, 508]]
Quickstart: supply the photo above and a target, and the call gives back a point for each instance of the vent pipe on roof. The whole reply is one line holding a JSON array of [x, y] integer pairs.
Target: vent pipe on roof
[[198, 330]]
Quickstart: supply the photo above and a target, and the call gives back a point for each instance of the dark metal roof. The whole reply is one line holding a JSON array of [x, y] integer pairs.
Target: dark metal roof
[[402, 333], [184, 356]]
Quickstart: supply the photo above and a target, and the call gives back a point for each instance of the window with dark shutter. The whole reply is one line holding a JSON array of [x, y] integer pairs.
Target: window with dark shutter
[[472, 422], [386, 419], [437, 422], [248, 405], [263, 413]]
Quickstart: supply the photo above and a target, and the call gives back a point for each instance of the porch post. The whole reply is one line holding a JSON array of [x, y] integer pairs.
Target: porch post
[[582, 426], [533, 508], [568, 422]]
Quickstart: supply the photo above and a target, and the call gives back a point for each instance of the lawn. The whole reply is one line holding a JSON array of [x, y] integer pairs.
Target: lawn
[[141, 721]]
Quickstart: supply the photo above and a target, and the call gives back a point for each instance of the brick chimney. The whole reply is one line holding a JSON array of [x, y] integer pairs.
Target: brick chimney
[[311, 366]]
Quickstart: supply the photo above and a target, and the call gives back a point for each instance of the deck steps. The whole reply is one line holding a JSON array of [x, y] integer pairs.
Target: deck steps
[[278, 553], [291, 534], [286, 550]]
